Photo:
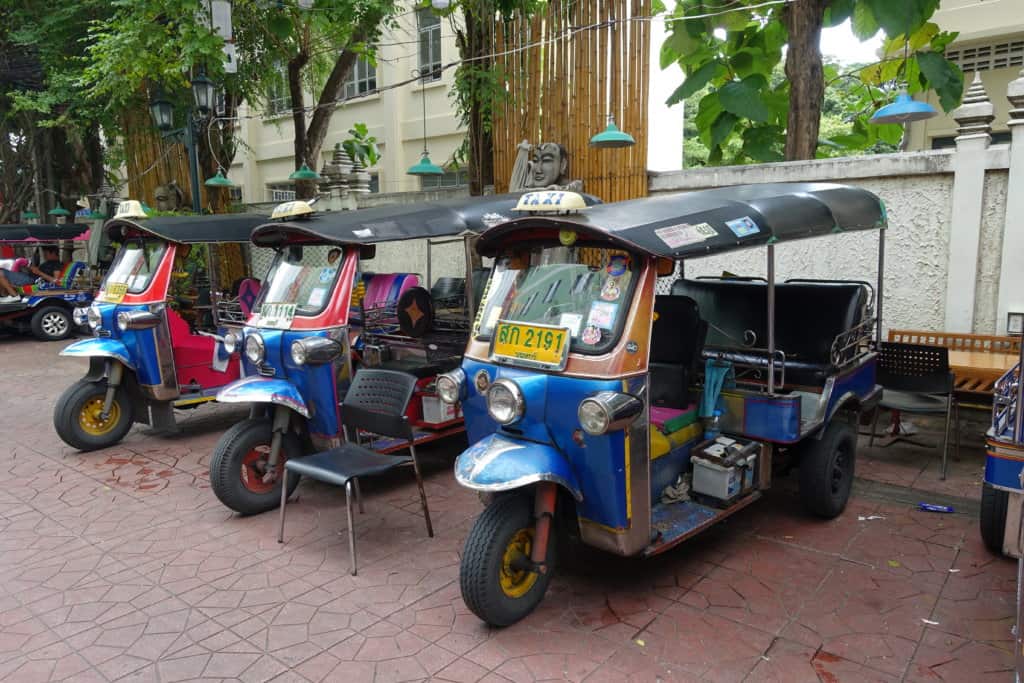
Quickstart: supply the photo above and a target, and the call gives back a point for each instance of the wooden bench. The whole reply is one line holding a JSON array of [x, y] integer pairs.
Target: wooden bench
[[977, 360]]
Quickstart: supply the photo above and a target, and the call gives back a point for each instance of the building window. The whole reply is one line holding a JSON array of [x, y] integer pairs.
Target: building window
[[235, 193], [949, 141], [988, 57], [429, 27], [374, 182], [447, 179], [279, 100], [281, 192], [362, 79]]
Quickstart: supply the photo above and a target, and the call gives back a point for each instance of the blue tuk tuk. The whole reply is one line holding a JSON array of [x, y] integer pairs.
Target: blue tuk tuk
[[46, 309], [322, 314], [1002, 492], [152, 350], [629, 420]]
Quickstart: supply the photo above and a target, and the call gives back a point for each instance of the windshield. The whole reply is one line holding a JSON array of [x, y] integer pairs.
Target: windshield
[[301, 276], [584, 289], [134, 266]]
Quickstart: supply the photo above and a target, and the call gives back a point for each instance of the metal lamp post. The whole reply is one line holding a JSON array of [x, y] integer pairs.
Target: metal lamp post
[[204, 92]]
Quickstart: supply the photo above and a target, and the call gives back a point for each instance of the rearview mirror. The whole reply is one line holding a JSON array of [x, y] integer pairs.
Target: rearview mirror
[[367, 252]]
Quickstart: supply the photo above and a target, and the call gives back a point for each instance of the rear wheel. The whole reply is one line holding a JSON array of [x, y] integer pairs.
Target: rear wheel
[[994, 503], [827, 469], [239, 467], [78, 416], [51, 323], [497, 584]]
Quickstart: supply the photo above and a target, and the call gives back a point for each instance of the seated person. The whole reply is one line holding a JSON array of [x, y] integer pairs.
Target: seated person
[[47, 270]]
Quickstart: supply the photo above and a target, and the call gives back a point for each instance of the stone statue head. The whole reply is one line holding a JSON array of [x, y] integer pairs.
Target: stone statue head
[[168, 197], [550, 165]]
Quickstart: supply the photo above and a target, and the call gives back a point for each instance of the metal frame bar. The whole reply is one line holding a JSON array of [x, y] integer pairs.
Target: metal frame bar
[[878, 288], [771, 319]]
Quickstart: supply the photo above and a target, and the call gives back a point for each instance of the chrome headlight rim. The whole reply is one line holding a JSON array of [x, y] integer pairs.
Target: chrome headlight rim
[[94, 318], [315, 350], [255, 348], [607, 411], [80, 315], [298, 352], [123, 321], [450, 384], [231, 342], [518, 401]]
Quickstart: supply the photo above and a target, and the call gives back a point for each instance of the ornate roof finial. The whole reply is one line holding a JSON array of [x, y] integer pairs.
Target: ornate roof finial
[[976, 113]]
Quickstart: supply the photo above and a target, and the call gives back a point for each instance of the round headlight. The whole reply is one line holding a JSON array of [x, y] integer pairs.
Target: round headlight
[[593, 416], [230, 342], [449, 386], [80, 316], [123, 319], [299, 352], [94, 318], [505, 402], [255, 350]]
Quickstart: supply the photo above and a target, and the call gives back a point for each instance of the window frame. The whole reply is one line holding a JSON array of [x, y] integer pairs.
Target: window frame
[[430, 70]]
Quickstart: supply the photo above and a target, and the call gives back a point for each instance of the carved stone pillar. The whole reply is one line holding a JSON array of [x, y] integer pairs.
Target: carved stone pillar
[[974, 117], [1011, 271]]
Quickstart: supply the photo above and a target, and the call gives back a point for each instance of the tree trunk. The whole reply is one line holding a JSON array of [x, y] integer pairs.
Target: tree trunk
[[474, 45], [303, 189], [803, 19]]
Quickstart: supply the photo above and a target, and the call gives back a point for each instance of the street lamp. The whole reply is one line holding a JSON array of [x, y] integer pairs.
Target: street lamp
[[204, 93]]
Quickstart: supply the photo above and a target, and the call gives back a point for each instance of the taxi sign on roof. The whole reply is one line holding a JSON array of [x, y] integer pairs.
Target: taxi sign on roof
[[292, 209], [551, 201], [130, 208]]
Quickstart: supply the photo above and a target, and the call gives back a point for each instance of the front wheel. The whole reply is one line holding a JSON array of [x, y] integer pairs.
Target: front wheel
[[496, 586], [994, 504], [826, 470], [239, 467], [51, 323], [78, 416]]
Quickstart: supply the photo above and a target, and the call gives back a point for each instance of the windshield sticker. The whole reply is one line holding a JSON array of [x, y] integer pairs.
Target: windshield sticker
[[572, 322], [326, 275], [567, 237], [591, 335], [602, 315], [617, 265], [610, 291], [676, 236], [743, 227], [316, 297], [277, 315]]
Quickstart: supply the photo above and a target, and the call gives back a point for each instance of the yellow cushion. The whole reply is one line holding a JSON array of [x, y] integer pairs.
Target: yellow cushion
[[663, 443]]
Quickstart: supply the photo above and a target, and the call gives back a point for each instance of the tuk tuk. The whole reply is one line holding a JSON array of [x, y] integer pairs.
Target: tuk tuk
[[46, 309], [629, 420], [158, 321], [1002, 491], [322, 314]]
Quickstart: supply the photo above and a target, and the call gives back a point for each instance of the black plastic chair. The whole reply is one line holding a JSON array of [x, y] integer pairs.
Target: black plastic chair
[[917, 379], [376, 403]]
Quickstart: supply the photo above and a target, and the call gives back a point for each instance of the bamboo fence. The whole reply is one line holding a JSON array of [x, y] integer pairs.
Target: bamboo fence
[[561, 68]]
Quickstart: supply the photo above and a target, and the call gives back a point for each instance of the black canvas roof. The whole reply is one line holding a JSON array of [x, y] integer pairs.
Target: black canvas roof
[[706, 222], [46, 232], [221, 227], [395, 221]]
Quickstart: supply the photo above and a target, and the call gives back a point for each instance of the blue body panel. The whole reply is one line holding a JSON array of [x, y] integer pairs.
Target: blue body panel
[[550, 419], [136, 348], [264, 390], [100, 347], [1004, 472], [313, 386], [73, 298], [775, 418], [499, 463], [860, 381]]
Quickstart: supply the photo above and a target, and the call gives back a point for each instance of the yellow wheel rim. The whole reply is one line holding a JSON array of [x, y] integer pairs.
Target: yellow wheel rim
[[91, 420], [515, 583]]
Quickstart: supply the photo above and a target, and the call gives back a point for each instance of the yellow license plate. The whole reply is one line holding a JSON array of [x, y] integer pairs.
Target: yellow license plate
[[531, 345], [115, 291]]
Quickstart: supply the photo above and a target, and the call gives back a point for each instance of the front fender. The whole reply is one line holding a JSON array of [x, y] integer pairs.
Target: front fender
[[264, 390], [100, 347], [498, 463]]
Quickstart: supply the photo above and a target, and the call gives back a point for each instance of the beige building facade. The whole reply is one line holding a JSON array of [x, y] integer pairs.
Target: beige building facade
[[394, 115], [991, 43]]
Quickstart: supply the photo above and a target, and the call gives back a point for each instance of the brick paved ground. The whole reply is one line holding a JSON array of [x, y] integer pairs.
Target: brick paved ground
[[121, 565]]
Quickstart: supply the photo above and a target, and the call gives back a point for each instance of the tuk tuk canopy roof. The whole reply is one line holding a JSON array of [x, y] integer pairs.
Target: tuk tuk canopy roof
[[394, 222], [208, 228], [46, 232], [704, 222]]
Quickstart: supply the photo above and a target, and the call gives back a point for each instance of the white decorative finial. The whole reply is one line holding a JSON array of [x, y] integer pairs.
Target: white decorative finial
[[976, 113]]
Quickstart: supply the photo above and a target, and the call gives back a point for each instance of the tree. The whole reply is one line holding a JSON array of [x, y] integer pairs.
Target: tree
[[733, 46], [148, 43]]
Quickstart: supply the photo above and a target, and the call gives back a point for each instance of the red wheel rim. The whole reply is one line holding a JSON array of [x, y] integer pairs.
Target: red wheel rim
[[254, 466]]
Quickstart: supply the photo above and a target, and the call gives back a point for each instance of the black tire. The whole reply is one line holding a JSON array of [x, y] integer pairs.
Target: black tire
[[480, 572], [827, 468], [994, 503], [234, 477], [52, 323], [76, 416]]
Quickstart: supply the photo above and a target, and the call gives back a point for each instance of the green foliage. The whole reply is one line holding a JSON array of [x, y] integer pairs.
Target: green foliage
[[732, 60], [361, 146]]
